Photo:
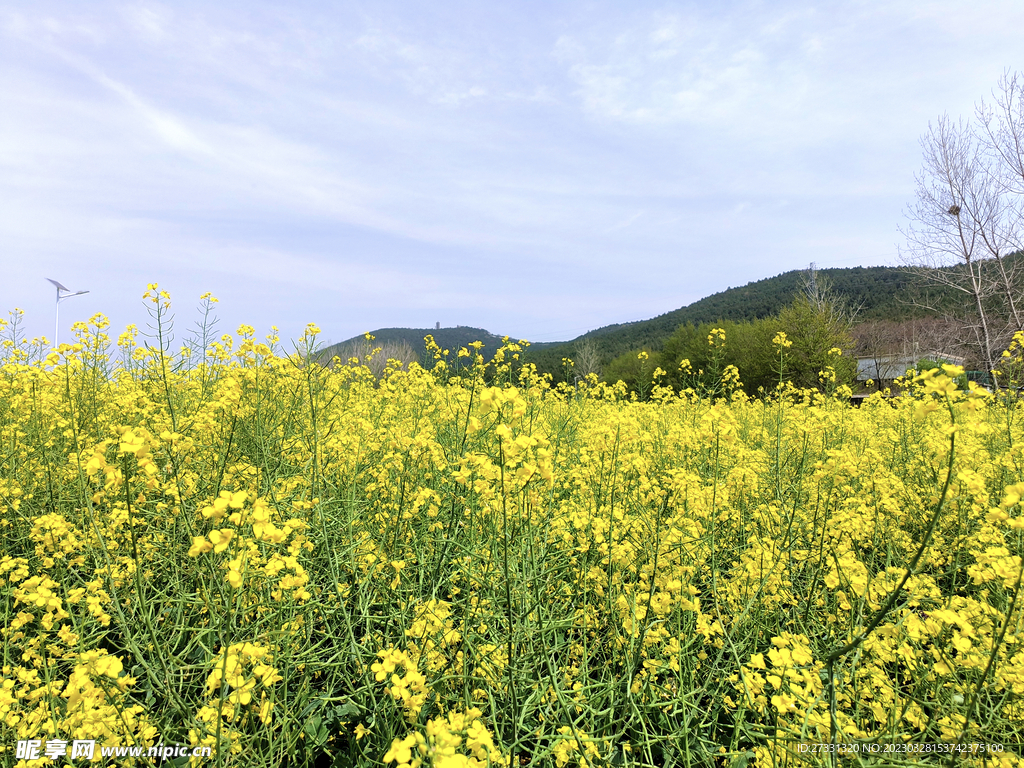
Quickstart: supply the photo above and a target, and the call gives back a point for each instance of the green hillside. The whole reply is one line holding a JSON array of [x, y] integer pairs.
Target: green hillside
[[875, 293]]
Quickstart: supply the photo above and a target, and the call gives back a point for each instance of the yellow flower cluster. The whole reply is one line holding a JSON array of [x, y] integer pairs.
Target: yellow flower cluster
[[431, 634], [442, 739], [215, 546], [230, 507], [410, 689]]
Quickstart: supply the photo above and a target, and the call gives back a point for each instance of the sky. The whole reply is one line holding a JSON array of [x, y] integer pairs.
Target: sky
[[538, 169]]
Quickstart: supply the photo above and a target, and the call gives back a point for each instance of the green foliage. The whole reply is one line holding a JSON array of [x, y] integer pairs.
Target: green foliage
[[815, 331], [747, 347], [633, 368]]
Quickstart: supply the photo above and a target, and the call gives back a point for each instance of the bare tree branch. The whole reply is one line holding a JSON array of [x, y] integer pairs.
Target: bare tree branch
[[962, 223]]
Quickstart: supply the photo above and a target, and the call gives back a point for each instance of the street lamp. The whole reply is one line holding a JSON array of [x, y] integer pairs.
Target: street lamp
[[62, 293]]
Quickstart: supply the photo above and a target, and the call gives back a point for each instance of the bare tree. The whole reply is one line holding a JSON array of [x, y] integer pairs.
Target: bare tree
[[1001, 132], [890, 348], [587, 358], [955, 208], [966, 222], [826, 299], [881, 343]]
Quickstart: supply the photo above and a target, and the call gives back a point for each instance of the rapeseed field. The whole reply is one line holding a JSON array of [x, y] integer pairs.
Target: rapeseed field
[[299, 564]]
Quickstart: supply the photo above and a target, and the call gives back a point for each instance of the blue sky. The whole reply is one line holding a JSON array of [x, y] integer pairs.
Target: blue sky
[[537, 169]]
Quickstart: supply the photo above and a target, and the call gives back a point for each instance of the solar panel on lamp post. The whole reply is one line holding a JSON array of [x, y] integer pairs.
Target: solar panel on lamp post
[[67, 294]]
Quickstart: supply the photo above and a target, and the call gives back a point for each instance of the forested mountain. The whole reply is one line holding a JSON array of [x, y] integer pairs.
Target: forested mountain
[[873, 293]]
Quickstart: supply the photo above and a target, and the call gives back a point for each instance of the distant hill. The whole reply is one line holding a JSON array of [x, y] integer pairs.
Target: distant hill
[[875, 293], [447, 338]]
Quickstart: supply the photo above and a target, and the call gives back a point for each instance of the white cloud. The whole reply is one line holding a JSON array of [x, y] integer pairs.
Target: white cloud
[[151, 21], [172, 130]]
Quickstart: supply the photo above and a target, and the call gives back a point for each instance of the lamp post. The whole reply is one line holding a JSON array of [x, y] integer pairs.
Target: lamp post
[[62, 293]]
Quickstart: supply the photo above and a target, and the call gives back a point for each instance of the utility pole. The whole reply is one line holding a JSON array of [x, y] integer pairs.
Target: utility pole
[[62, 293]]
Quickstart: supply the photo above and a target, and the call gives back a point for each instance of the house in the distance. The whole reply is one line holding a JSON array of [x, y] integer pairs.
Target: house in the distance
[[884, 369]]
